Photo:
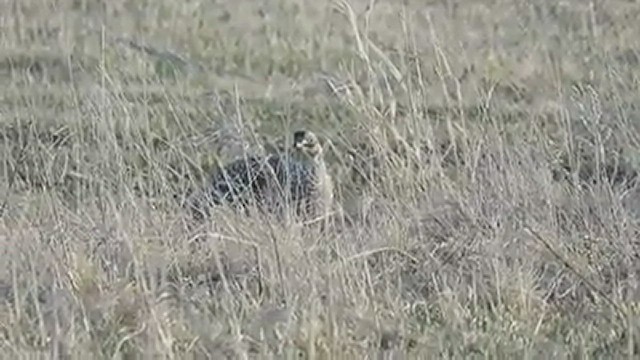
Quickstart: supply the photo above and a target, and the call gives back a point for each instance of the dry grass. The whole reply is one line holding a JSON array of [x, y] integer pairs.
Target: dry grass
[[485, 155]]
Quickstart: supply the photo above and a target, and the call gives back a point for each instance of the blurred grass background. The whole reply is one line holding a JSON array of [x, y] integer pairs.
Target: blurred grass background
[[485, 155]]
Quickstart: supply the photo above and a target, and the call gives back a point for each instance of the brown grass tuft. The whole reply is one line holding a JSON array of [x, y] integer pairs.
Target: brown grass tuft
[[484, 156]]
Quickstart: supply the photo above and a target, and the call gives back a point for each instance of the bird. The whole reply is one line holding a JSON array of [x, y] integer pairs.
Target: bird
[[294, 178]]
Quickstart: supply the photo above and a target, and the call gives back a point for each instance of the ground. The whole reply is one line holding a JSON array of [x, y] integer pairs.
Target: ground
[[484, 153]]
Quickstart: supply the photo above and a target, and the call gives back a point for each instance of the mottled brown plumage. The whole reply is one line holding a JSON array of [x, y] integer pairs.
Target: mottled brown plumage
[[296, 179]]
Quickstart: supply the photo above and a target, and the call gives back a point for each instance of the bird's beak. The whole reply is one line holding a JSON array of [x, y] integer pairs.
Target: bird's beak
[[300, 145]]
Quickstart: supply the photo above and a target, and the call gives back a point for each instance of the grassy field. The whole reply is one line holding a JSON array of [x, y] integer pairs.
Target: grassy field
[[485, 155]]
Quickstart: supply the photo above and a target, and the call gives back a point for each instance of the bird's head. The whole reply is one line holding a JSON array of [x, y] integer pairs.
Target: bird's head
[[306, 145]]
